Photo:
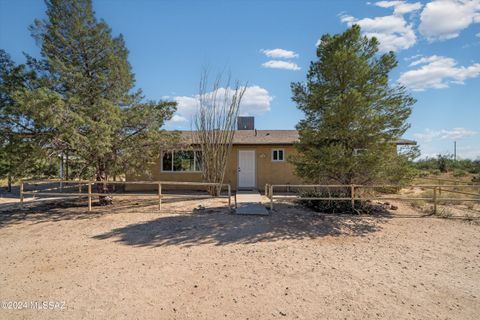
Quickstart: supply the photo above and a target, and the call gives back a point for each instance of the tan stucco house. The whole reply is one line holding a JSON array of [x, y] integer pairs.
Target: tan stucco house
[[258, 157]]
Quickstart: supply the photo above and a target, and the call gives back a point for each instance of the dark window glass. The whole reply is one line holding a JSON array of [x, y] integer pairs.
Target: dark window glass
[[280, 155], [183, 161], [275, 155], [167, 161]]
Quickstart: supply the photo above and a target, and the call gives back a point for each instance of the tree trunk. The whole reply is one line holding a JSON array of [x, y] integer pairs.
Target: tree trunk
[[103, 187]]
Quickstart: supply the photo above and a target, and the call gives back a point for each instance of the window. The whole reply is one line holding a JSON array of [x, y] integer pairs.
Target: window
[[182, 161], [278, 155]]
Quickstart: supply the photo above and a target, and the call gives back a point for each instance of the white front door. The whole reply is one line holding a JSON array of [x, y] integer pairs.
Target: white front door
[[246, 168]]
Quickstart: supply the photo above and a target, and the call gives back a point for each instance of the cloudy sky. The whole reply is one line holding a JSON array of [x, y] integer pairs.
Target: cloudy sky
[[269, 44]]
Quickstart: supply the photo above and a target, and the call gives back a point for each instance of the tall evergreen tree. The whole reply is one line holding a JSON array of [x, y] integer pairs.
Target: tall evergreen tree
[[22, 142], [353, 116], [86, 98]]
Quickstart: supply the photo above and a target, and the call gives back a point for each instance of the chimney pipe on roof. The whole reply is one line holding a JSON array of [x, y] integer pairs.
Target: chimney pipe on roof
[[245, 123]]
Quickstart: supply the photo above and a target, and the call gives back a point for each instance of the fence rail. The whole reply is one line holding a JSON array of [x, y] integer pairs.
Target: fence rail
[[355, 196], [64, 184]]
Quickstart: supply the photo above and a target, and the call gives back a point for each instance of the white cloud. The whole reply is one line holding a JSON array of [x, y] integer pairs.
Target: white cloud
[[393, 32], [279, 53], [278, 64], [437, 72], [400, 7], [414, 57], [178, 119], [256, 100], [454, 134], [445, 19]]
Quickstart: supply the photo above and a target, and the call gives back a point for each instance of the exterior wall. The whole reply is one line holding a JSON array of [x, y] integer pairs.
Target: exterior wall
[[267, 171]]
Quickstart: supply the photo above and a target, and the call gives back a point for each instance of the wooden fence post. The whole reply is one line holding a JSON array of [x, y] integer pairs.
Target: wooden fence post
[[89, 196], [352, 194], [160, 197], [434, 200], [21, 194], [229, 197], [271, 198]]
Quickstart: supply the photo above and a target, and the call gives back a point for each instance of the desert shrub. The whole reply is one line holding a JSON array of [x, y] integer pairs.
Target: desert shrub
[[445, 163], [458, 173], [476, 179], [423, 174], [339, 206]]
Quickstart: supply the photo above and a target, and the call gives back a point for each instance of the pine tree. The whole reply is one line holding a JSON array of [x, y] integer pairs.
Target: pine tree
[[353, 116], [86, 98], [22, 142]]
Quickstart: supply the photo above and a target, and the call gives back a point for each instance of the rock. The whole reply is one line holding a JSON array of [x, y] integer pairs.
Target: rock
[[393, 207]]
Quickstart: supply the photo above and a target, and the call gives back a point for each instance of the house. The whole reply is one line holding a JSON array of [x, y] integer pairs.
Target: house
[[258, 157]]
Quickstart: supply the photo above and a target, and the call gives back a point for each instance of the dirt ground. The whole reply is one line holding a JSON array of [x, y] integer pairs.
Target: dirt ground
[[131, 262]]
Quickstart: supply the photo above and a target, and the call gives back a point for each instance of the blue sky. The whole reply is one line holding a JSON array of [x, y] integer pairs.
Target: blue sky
[[269, 44]]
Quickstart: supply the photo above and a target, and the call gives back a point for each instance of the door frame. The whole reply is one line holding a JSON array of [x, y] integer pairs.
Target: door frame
[[254, 168]]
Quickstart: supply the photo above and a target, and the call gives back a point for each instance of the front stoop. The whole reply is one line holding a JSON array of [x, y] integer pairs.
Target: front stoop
[[250, 203]]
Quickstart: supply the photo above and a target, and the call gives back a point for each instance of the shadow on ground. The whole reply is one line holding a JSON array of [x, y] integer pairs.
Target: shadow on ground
[[47, 211], [215, 226], [69, 209], [44, 210]]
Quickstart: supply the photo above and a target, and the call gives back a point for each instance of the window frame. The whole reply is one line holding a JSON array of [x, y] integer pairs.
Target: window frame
[[172, 152], [283, 155]]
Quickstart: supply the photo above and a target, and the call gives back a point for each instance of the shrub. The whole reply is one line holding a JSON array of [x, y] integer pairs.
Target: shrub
[[340, 206], [459, 173]]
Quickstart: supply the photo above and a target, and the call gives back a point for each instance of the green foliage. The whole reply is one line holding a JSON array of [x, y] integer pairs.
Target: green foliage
[[83, 96], [442, 163], [340, 206], [352, 115], [458, 173], [446, 163], [22, 141]]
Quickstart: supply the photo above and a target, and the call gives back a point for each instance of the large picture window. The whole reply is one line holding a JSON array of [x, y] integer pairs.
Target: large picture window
[[182, 161]]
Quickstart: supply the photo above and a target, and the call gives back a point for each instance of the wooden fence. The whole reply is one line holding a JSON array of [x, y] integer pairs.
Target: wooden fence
[[355, 195], [79, 185]]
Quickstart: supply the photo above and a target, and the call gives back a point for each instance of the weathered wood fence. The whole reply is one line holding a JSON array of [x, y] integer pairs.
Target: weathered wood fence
[[76, 189], [355, 195]]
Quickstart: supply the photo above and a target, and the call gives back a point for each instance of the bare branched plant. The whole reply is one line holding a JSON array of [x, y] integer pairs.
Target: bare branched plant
[[214, 125]]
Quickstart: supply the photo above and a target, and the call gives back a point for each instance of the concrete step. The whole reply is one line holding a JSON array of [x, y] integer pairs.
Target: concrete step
[[250, 203]]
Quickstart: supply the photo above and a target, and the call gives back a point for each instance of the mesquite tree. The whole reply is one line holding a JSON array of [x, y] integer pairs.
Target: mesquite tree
[[353, 115], [214, 124], [86, 97]]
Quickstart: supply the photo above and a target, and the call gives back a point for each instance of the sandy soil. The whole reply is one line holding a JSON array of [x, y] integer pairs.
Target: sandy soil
[[134, 263]]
